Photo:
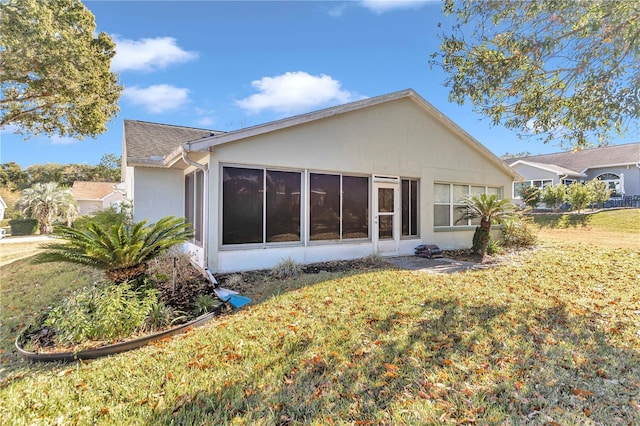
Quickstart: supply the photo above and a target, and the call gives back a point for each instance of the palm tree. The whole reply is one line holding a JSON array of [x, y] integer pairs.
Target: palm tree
[[47, 202], [121, 250], [490, 210]]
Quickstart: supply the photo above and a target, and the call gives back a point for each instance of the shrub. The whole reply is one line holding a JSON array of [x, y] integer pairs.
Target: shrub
[[554, 195], [519, 232], [103, 218], [286, 268], [494, 247], [121, 250], [101, 312], [234, 280], [374, 259], [161, 316], [599, 192], [530, 196], [578, 196], [204, 303], [23, 226]]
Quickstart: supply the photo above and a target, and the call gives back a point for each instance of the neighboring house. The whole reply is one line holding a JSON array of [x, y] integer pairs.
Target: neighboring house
[[95, 196], [617, 165], [3, 207], [380, 175]]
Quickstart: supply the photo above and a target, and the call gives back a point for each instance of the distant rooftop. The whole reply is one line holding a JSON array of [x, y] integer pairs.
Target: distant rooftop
[[581, 160], [92, 190]]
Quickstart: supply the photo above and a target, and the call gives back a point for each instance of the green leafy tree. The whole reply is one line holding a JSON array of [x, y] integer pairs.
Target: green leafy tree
[[13, 177], [554, 195], [599, 192], [121, 250], [509, 156], [561, 69], [45, 173], [11, 199], [489, 209], [109, 168], [530, 196], [47, 202], [578, 195], [54, 70]]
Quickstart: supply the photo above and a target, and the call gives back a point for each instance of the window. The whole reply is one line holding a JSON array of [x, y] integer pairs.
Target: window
[[338, 207], [260, 206], [264, 206], [540, 184], [355, 207], [283, 206], [194, 204], [447, 198], [409, 195], [614, 183]]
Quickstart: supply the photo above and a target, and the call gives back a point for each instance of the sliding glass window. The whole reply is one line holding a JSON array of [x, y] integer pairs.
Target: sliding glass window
[[283, 206], [260, 206], [338, 207]]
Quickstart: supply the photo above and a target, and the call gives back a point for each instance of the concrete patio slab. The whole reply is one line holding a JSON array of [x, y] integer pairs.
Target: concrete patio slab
[[437, 265]]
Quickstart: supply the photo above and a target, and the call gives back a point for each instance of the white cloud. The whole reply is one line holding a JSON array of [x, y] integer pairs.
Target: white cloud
[[15, 129], [148, 54], [337, 11], [157, 98], [295, 92], [62, 140], [382, 6]]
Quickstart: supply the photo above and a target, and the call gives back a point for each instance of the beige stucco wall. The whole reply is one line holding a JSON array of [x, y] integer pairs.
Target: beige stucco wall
[[89, 206], [396, 138], [158, 193]]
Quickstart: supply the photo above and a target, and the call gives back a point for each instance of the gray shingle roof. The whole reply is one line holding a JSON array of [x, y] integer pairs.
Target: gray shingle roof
[[145, 140], [584, 159]]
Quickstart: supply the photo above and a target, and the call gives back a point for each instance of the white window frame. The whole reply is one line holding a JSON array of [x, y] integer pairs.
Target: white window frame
[[417, 230], [196, 225], [542, 183], [264, 242], [453, 216]]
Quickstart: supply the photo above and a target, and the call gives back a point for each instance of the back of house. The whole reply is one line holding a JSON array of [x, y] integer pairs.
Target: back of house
[[381, 175]]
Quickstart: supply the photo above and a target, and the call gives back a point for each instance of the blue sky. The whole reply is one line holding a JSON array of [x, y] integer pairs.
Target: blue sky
[[226, 65]]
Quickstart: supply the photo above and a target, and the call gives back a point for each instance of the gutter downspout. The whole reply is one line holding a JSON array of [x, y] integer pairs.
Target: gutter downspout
[[205, 221]]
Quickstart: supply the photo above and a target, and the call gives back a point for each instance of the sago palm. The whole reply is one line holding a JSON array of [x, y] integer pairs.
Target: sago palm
[[121, 250], [490, 210]]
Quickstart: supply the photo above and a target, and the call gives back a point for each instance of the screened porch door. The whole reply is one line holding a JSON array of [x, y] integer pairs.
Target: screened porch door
[[386, 217]]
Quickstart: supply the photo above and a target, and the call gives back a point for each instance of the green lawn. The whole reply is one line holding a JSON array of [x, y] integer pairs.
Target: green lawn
[[550, 337], [609, 230]]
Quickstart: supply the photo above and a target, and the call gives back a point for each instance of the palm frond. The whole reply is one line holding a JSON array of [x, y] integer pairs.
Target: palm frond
[[116, 247]]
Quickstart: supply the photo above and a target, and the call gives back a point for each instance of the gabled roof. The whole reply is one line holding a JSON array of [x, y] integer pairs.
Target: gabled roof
[[206, 143], [92, 190], [148, 142], [585, 159], [560, 171]]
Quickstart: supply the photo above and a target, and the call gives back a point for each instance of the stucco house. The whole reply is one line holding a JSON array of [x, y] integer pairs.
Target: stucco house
[[381, 175], [95, 196], [617, 165]]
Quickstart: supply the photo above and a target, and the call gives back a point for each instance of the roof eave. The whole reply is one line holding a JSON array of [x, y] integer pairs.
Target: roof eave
[[601, 166]]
